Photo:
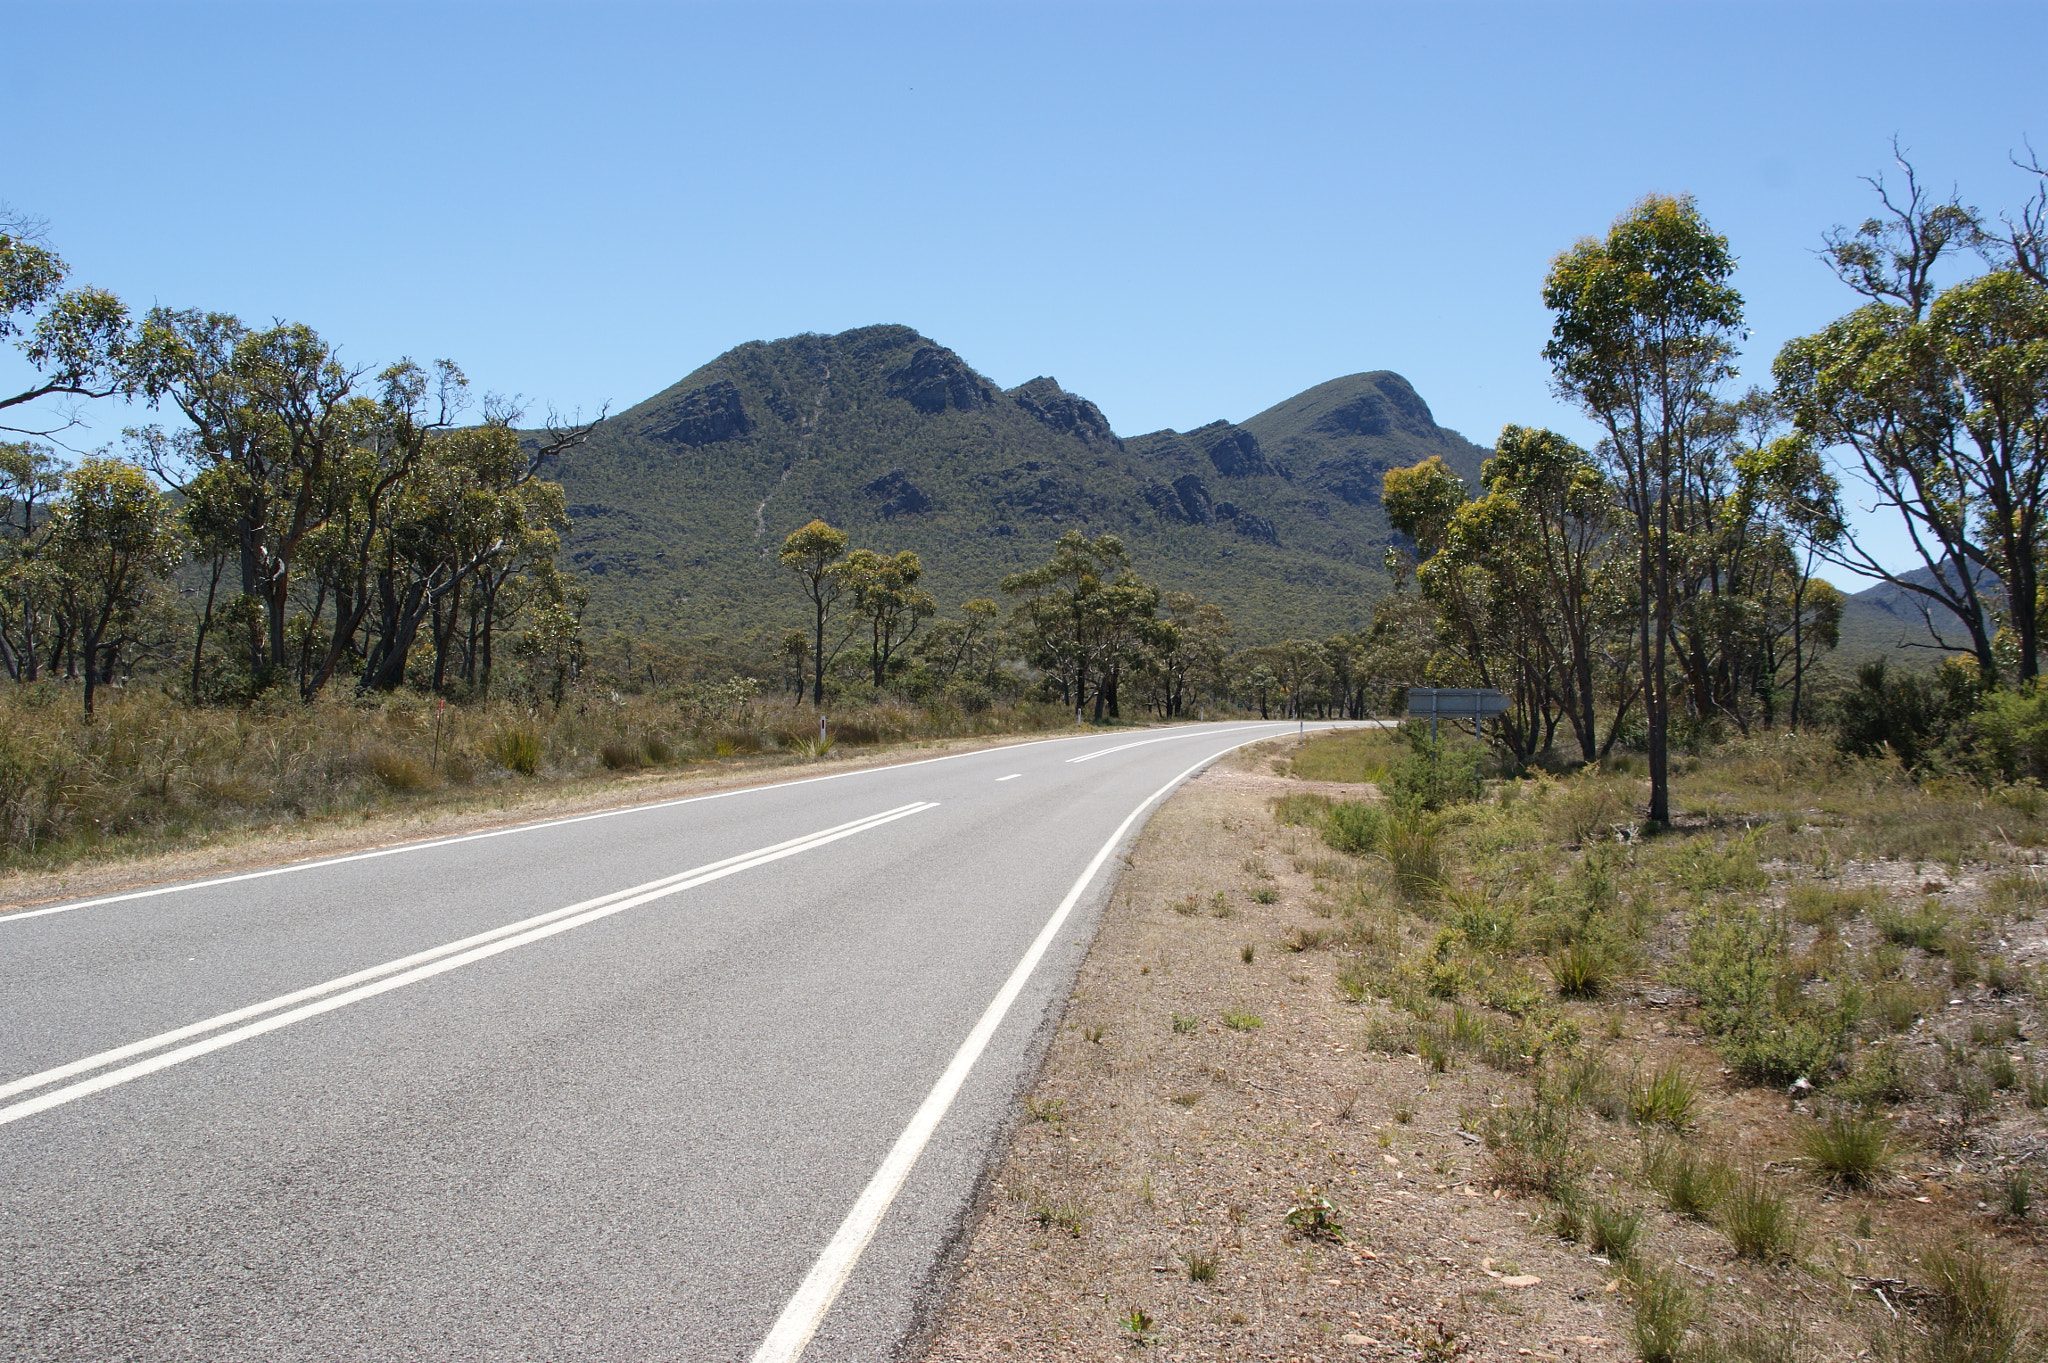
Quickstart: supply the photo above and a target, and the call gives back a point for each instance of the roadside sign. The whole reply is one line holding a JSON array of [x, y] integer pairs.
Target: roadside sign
[[1455, 702]]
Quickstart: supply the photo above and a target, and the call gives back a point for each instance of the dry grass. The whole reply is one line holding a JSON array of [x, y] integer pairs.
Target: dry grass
[[154, 773]]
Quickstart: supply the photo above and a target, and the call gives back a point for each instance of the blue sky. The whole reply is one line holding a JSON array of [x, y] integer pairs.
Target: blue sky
[[1182, 211]]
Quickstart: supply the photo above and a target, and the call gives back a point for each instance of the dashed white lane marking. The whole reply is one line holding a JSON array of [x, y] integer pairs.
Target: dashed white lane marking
[[363, 984], [1011, 777], [806, 1310]]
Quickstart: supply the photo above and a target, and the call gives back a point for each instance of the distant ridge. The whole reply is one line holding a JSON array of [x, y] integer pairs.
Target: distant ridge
[[679, 502]]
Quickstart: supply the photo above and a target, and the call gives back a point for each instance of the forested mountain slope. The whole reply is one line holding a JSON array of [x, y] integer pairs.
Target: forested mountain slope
[[679, 503]]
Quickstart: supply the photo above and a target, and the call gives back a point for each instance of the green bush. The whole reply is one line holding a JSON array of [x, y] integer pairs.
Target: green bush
[[1765, 1029], [1927, 927], [1664, 1311], [1666, 1099], [1692, 1184], [1911, 715], [1612, 1230], [1413, 847], [1580, 970], [1435, 773], [1974, 1312], [1534, 1148], [1354, 827]]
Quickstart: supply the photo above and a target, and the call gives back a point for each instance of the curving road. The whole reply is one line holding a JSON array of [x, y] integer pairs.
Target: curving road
[[713, 1079]]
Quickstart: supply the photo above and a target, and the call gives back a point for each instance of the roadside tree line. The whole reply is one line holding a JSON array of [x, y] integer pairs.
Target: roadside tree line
[[1661, 585], [338, 525]]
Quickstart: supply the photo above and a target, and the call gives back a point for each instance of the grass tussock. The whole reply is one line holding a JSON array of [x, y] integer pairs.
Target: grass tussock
[[1846, 1148]]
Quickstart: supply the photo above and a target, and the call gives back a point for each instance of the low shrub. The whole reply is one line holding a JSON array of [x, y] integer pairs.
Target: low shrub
[[620, 755], [1533, 1147], [1974, 1312], [1580, 970], [1612, 1231], [1664, 1312], [397, 770]]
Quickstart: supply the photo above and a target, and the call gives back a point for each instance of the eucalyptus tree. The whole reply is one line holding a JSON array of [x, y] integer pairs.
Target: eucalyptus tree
[[1937, 397], [813, 553], [78, 341], [1059, 617], [1643, 333], [30, 477], [887, 598], [278, 410], [113, 539]]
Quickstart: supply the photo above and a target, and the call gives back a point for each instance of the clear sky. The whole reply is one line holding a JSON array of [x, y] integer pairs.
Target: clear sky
[[1181, 211]]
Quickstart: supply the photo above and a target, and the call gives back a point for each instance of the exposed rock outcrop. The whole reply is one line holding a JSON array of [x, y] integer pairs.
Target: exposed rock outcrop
[[935, 379], [1233, 450], [704, 417], [897, 495], [1067, 413]]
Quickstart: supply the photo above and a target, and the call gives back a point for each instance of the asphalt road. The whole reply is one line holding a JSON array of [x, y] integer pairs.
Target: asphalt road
[[651, 1125]]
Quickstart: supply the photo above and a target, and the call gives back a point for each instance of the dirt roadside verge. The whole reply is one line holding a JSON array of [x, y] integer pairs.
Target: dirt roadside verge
[[1194, 1099], [228, 852]]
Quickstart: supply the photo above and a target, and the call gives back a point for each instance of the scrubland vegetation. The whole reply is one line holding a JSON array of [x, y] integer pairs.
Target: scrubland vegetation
[[1799, 1029]]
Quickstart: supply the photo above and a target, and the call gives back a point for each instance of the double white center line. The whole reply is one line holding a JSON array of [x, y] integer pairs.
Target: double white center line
[[285, 1009]]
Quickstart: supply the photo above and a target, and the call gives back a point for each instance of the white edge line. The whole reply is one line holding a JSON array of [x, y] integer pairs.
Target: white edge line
[[1104, 752], [806, 1310], [20, 915], [716, 871]]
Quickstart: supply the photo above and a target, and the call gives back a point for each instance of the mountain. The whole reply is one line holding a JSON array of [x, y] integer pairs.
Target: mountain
[[679, 503], [1884, 620]]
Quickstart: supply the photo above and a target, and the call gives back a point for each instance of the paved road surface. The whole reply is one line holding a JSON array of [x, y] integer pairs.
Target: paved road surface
[[540, 1094]]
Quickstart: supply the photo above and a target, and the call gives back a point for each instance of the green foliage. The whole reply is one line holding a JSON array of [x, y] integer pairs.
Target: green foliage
[[518, 749], [1580, 970], [1879, 1078], [1355, 828], [1927, 927], [1533, 1147], [1238, 1020], [1612, 1230], [1906, 713], [1975, 1312], [1314, 1217], [1766, 1030], [1664, 1311], [1434, 774]]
